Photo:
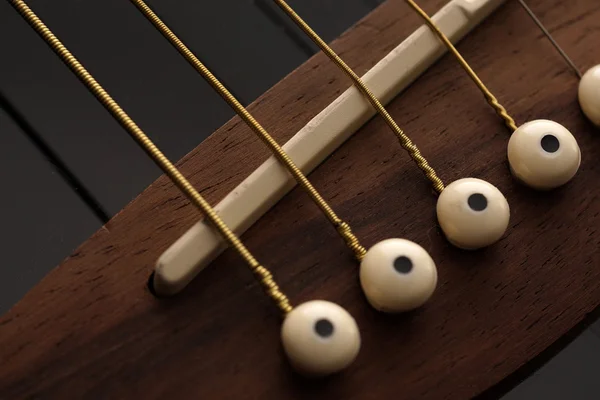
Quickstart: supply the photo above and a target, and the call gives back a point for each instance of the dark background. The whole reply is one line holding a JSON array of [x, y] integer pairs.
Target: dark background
[[249, 44]]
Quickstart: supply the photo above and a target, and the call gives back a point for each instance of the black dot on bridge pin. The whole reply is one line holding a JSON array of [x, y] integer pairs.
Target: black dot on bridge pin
[[477, 202], [324, 328], [403, 265], [550, 143]]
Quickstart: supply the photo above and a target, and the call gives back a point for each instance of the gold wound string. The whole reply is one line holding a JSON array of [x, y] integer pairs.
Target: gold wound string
[[342, 227], [549, 36], [405, 141], [263, 274], [491, 99]]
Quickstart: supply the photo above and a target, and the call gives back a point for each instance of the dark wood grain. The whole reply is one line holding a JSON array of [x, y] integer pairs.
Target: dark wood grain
[[91, 328]]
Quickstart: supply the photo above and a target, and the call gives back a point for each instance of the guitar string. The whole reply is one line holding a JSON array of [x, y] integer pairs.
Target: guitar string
[[491, 99], [261, 273], [53, 158], [405, 141], [307, 46], [549, 36], [342, 227]]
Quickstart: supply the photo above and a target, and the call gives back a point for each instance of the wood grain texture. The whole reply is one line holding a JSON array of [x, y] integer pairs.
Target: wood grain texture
[[91, 329]]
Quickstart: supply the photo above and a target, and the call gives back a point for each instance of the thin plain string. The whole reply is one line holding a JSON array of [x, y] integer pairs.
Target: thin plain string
[[547, 33], [405, 141], [342, 227], [491, 99], [263, 274]]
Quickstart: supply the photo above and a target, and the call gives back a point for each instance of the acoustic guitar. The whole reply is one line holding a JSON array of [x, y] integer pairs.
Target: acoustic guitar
[[100, 325]]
